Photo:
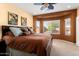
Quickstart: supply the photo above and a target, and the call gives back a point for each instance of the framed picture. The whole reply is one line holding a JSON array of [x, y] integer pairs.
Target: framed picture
[[23, 21], [12, 19]]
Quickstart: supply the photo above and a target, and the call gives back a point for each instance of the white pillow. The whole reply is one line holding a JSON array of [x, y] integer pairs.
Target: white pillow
[[15, 31]]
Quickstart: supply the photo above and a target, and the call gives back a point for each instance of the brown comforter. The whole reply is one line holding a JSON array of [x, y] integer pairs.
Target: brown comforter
[[31, 43]]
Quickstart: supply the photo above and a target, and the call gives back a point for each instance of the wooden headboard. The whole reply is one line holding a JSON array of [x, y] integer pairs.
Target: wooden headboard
[[5, 29]]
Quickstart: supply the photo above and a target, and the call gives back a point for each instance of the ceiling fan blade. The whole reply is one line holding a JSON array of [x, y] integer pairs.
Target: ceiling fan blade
[[52, 3], [42, 8], [37, 3]]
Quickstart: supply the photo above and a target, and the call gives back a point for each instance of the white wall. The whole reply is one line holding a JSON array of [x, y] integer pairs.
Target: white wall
[[77, 28], [77, 31]]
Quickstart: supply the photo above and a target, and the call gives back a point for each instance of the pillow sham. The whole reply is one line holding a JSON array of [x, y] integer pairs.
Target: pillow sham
[[31, 30], [15, 31], [25, 31]]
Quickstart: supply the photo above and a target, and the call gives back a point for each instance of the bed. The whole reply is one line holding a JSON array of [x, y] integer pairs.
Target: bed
[[26, 44]]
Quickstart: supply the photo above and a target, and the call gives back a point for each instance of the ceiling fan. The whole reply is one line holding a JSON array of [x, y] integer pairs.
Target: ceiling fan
[[49, 6]]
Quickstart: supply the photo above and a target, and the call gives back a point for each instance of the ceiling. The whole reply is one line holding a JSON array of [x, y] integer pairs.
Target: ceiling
[[35, 9]]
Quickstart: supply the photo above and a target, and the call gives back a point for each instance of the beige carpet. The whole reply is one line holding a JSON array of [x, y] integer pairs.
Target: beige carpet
[[64, 48]]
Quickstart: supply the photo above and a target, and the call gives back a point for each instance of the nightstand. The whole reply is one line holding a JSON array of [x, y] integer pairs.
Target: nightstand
[[3, 47]]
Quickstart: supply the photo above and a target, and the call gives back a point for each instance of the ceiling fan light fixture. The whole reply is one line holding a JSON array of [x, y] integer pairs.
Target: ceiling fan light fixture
[[42, 8]]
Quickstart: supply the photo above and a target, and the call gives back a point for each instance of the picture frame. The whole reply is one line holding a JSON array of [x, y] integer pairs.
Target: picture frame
[[12, 19], [23, 21]]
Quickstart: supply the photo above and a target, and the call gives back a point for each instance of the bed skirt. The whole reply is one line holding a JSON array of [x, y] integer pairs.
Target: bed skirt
[[14, 52]]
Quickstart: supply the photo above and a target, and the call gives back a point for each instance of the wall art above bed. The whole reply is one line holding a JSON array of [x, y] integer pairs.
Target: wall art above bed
[[12, 19], [23, 21]]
